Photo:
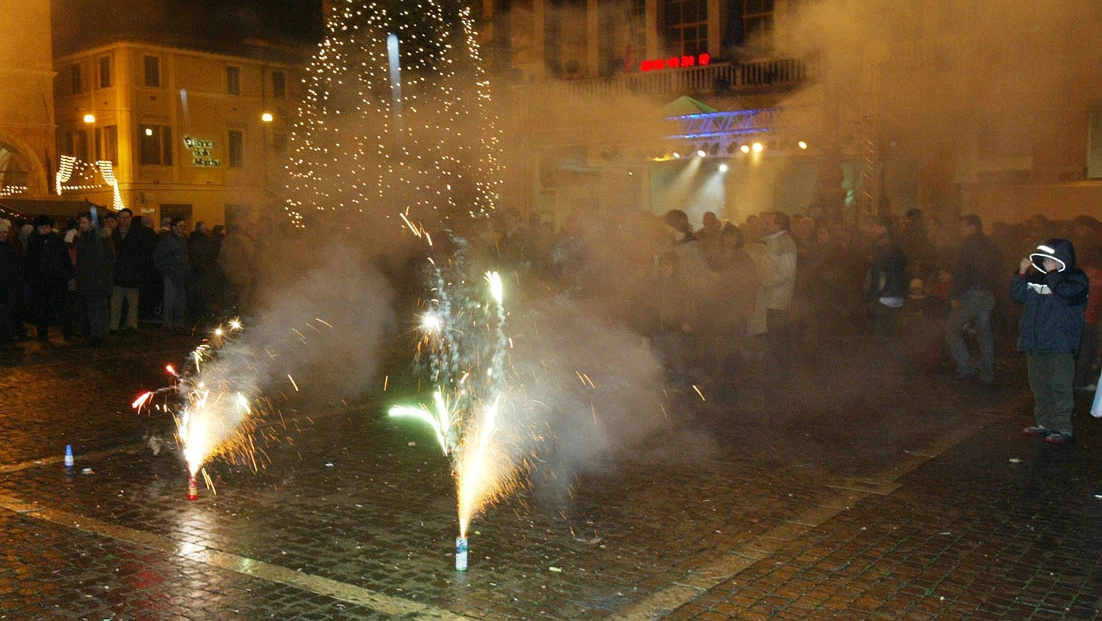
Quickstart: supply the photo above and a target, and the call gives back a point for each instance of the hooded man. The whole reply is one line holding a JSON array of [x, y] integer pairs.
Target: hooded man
[[1054, 292]]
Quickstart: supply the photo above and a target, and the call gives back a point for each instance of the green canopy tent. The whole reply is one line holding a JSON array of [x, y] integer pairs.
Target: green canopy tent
[[685, 105]]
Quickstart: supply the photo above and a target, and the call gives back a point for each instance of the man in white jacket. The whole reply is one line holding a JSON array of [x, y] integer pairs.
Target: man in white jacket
[[776, 283]]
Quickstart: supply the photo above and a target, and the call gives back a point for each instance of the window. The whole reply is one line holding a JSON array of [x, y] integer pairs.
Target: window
[[237, 148], [107, 143], [686, 27], [757, 23], [279, 85], [74, 80], [105, 72], [152, 71], [1094, 140], [279, 143], [76, 144], [155, 145], [233, 80]]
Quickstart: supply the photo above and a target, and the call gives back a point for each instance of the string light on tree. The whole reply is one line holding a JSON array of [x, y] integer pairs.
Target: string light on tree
[[434, 152]]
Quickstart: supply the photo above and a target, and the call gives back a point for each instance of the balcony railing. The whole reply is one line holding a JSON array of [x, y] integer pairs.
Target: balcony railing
[[715, 79]]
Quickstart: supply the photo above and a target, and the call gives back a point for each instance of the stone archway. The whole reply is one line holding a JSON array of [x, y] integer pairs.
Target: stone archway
[[21, 174]]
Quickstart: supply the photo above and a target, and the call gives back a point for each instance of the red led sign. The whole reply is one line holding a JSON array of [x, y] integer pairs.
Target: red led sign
[[675, 62]]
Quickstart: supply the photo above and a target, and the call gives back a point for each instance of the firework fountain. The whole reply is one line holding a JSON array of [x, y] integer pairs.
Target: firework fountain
[[217, 415], [464, 342]]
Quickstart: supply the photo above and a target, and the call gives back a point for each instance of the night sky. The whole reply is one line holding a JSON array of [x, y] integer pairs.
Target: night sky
[[82, 23]]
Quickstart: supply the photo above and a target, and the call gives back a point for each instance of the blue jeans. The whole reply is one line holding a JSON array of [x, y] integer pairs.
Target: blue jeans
[[175, 304], [975, 306]]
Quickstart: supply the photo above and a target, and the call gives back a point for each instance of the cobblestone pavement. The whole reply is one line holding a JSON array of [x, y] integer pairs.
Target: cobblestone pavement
[[880, 495]]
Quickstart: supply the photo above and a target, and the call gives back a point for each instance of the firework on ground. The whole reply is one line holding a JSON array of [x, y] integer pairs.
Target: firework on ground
[[463, 348], [216, 404]]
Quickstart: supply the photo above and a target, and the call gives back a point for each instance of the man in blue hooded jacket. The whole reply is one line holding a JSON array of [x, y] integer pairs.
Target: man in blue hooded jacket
[[1054, 292]]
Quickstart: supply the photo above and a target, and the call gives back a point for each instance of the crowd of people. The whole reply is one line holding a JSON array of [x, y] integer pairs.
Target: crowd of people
[[106, 273], [776, 291], [716, 302]]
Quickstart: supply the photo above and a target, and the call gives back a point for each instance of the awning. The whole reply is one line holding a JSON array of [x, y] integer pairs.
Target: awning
[[685, 105], [59, 210]]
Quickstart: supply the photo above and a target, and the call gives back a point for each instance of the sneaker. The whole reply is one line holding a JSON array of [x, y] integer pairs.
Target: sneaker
[[1088, 388], [1035, 430], [1058, 437]]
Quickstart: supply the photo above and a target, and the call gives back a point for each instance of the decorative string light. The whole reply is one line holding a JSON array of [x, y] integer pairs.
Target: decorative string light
[[85, 174], [348, 149], [64, 171], [107, 171]]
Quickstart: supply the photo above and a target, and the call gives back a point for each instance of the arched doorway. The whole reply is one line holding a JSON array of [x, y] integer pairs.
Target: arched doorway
[[15, 175]]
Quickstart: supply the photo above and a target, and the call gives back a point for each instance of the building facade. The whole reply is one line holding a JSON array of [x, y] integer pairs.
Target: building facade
[[188, 132], [26, 99], [829, 108]]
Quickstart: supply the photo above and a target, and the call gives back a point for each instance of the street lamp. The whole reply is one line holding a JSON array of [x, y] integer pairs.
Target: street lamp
[[266, 117], [89, 118]]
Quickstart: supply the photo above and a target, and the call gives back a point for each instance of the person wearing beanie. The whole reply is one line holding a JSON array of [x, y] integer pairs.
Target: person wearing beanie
[[47, 270], [1054, 292]]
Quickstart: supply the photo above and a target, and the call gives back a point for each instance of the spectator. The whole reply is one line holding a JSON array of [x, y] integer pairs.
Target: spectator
[[1086, 361], [1054, 292], [203, 254], [709, 236], [237, 259], [735, 292], [48, 269], [886, 284], [776, 285], [972, 299], [94, 275], [916, 245], [171, 259], [11, 267], [133, 245], [151, 286]]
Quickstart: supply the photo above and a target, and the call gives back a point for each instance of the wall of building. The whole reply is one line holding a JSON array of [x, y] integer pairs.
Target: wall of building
[[204, 181], [26, 89]]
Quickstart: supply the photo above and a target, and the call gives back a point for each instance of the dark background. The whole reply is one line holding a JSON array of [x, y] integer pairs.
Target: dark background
[[81, 24]]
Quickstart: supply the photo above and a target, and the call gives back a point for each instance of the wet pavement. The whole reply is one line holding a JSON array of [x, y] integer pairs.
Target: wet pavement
[[882, 494]]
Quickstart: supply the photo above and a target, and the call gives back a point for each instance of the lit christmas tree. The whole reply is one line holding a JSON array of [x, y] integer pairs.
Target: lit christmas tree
[[369, 141]]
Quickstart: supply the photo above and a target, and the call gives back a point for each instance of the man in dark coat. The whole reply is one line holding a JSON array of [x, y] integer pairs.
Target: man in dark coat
[[203, 254], [886, 285], [171, 259], [47, 270], [1054, 292], [94, 275], [134, 245]]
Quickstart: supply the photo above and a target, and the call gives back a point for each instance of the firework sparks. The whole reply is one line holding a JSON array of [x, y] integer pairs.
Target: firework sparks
[[215, 419], [468, 405]]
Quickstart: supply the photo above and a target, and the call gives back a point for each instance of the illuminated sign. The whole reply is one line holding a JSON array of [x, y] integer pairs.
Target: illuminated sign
[[675, 62], [202, 152]]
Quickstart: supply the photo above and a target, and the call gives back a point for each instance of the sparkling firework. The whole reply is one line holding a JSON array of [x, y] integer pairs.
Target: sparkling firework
[[217, 416], [464, 338]]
